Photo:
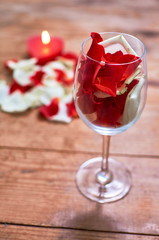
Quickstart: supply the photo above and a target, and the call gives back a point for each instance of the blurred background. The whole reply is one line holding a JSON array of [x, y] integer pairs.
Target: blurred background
[[73, 20]]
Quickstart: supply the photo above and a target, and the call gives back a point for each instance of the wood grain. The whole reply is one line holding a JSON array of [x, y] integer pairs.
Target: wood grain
[[39, 160], [74, 21], [35, 132], [36, 233], [38, 188]]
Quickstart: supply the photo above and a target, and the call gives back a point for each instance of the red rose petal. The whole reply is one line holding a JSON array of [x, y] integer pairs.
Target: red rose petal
[[87, 75], [96, 36], [121, 99], [71, 109], [127, 67], [112, 57], [37, 78], [6, 63], [50, 110], [94, 77], [86, 104], [107, 113], [15, 86], [107, 79], [110, 109], [62, 77], [96, 51], [127, 58], [106, 85]]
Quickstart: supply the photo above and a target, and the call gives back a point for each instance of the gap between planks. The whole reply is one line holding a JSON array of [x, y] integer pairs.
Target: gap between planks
[[76, 229], [76, 152]]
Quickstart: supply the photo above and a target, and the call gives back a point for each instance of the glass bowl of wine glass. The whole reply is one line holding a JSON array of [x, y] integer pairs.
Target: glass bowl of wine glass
[[110, 94]]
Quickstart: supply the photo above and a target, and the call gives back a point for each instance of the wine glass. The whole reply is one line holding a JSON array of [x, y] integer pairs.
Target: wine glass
[[110, 93]]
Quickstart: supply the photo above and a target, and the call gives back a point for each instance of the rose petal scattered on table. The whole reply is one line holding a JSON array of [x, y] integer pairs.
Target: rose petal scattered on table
[[15, 102], [50, 110], [16, 87], [43, 94], [26, 64], [71, 109], [62, 115], [36, 79], [66, 109], [49, 68], [22, 77], [35, 86]]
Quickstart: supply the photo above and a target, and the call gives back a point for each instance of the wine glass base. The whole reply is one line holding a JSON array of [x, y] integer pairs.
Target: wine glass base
[[114, 190]]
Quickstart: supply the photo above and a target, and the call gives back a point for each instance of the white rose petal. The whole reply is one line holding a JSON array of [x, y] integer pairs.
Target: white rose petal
[[67, 98], [32, 99], [62, 115], [40, 94], [49, 72], [49, 68], [51, 93], [132, 102], [123, 88], [54, 92], [22, 64], [69, 63], [133, 75], [4, 91], [70, 74], [15, 102], [22, 76], [49, 82], [43, 95], [117, 43]]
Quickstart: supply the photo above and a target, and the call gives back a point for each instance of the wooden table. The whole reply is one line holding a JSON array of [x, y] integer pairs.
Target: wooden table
[[39, 160]]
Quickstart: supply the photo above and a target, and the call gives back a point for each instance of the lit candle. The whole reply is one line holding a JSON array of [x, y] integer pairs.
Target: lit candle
[[44, 47]]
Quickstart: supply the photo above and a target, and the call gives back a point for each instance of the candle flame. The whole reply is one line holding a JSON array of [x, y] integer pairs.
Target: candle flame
[[45, 37]]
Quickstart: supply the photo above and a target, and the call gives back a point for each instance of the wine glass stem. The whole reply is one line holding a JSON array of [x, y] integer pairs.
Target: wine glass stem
[[105, 156], [104, 176]]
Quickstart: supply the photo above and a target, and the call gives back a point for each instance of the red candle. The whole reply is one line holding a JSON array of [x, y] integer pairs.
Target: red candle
[[44, 47]]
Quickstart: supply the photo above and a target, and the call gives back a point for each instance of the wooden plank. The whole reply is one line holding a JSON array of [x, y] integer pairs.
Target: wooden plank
[[38, 233], [30, 131], [38, 188]]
